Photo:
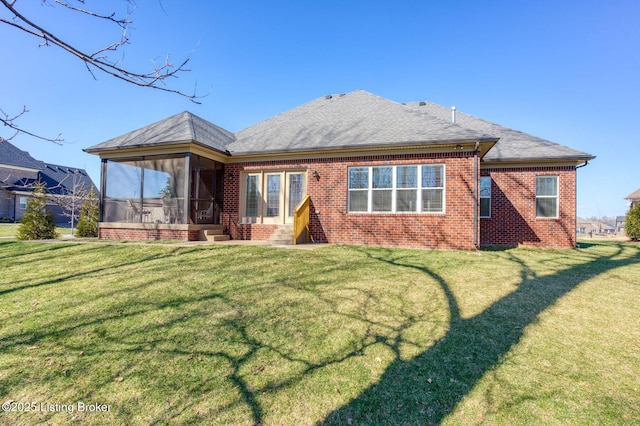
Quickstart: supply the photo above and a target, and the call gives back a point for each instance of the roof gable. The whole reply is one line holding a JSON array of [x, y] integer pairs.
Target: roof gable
[[635, 195], [355, 120], [10, 155], [513, 145], [183, 127]]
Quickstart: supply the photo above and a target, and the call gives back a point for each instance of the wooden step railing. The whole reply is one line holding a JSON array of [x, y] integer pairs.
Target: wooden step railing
[[301, 221]]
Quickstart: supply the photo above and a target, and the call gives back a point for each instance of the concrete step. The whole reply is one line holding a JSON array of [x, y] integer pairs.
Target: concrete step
[[218, 237], [215, 233], [282, 235]]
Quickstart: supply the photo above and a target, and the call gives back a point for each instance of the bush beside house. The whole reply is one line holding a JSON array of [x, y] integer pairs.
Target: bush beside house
[[89, 217], [632, 223], [37, 223]]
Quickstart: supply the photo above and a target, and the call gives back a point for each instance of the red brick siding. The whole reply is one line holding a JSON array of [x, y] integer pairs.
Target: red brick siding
[[450, 230], [148, 234], [513, 219]]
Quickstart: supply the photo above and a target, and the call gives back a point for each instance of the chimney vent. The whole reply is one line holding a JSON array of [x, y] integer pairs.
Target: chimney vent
[[453, 114], [422, 103]]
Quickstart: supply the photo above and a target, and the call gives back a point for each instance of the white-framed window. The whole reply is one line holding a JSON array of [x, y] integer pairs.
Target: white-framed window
[[396, 189], [485, 196], [23, 203], [359, 189], [547, 196]]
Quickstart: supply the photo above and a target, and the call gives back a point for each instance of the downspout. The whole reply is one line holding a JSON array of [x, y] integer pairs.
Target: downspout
[[475, 196]]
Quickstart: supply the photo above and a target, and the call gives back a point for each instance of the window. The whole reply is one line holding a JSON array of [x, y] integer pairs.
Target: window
[[407, 188], [296, 183], [252, 196], [433, 192], [485, 196], [382, 184], [397, 189], [23, 203], [547, 196], [270, 196], [358, 189]]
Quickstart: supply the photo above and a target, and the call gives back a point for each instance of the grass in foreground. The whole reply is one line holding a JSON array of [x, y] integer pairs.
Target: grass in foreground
[[339, 335], [11, 230]]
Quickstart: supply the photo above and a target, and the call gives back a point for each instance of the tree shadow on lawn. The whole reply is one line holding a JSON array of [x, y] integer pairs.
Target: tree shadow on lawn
[[427, 388], [422, 390]]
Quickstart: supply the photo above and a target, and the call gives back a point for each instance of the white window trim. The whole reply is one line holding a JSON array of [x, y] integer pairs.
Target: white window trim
[[557, 197], [20, 204], [394, 190], [243, 198], [489, 197]]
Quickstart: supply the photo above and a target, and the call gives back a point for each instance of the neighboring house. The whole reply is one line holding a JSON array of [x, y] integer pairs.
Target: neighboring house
[[19, 171], [620, 222], [375, 172], [634, 198], [594, 227]]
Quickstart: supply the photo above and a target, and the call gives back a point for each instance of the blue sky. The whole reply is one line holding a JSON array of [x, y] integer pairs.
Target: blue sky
[[566, 71]]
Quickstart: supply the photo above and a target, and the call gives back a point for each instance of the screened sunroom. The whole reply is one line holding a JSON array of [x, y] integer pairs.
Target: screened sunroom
[[162, 189], [164, 180]]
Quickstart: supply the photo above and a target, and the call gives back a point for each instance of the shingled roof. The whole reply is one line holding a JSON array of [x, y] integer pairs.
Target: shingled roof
[[635, 195], [56, 178], [183, 127], [356, 120], [10, 155], [63, 180], [513, 145]]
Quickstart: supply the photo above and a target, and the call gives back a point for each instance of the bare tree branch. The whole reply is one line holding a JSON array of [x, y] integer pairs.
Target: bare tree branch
[[98, 60], [9, 121]]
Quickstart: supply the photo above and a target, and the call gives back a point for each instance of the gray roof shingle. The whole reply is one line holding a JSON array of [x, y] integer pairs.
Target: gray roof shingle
[[513, 145], [11, 155], [64, 180], [57, 179], [635, 195], [355, 120], [183, 127]]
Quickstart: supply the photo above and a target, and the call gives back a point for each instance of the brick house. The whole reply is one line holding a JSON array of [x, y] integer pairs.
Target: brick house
[[19, 171], [634, 198], [353, 168]]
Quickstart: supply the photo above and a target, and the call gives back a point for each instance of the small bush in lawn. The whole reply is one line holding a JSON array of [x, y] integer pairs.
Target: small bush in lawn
[[38, 222], [89, 216], [632, 223]]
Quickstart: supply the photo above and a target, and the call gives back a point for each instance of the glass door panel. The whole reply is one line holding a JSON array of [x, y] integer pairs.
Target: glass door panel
[[295, 192], [273, 198]]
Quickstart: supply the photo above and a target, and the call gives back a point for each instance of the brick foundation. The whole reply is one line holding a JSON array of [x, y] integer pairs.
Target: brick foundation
[[140, 232]]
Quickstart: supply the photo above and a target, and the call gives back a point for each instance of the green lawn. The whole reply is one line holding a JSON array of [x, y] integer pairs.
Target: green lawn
[[338, 335], [11, 230]]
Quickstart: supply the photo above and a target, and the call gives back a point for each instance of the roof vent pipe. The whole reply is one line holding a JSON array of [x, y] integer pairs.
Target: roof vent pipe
[[453, 114]]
